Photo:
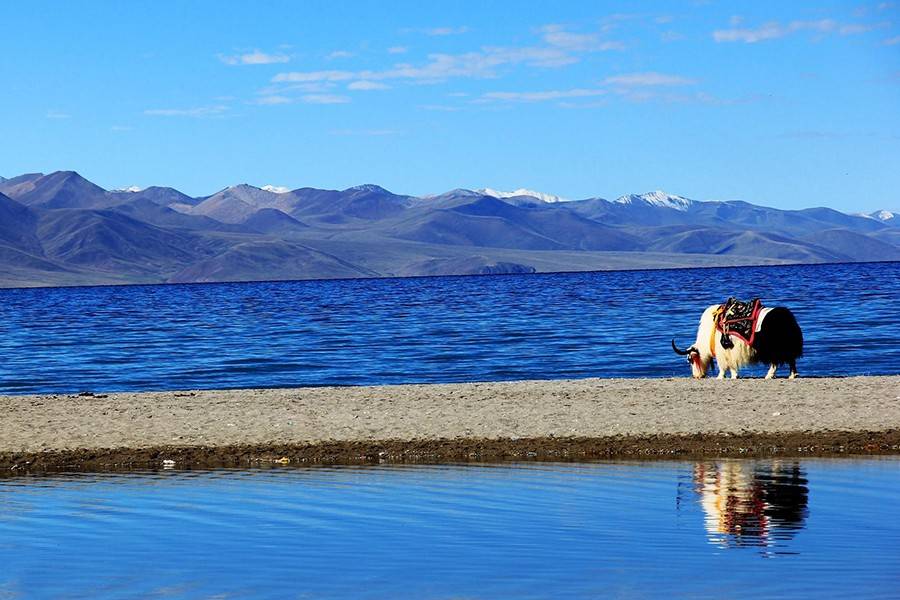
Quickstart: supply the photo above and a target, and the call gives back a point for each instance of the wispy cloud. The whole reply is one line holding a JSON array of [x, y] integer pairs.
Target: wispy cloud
[[313, 76], [672, 36], [558, 37], [562, 49], [198, 112], [368, 85], [340, 54], [398, 50], [256, 57], [648, 79], [892, 41], [774, 30], [324, 99], [121, 128], [57, 114], [446, 30], [557, 46], [541, 96], [308, 87], [273, 100], [632, 86]]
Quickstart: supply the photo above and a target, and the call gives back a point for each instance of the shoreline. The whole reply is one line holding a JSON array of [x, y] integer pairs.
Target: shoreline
[[559, 420], [37, 286]]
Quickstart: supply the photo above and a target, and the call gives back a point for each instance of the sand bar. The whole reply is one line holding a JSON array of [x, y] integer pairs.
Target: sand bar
[[555, 420]]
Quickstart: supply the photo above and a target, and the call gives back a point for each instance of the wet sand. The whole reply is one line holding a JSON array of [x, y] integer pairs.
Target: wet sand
[[546, 420]]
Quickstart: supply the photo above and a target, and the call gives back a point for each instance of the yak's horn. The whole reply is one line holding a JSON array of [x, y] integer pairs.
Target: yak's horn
[[677, 349]]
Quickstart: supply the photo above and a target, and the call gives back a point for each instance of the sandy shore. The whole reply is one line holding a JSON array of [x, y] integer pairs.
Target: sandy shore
[[571, 419]]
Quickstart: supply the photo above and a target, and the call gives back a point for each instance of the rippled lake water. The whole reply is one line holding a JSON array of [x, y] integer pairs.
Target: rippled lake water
[[716, 529], [426, 330]]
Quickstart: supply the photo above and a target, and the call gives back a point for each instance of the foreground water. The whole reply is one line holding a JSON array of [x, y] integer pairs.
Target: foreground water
[[427, 330], [720, 529]]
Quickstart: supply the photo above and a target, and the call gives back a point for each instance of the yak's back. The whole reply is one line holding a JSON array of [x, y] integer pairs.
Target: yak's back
[[779, 339]]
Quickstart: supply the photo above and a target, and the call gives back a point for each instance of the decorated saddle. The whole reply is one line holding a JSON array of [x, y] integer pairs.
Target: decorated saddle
[[738, 318]]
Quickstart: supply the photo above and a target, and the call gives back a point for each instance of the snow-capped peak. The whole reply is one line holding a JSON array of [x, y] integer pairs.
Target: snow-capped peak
[[657, 198], [275, 189], [880, 215], [521, 192], [368, 187], [131, 189]]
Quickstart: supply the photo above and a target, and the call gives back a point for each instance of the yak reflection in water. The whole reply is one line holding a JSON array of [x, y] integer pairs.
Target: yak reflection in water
[[751, 504]]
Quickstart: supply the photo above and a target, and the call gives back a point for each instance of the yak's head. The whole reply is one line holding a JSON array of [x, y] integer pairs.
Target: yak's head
[[699, 363]]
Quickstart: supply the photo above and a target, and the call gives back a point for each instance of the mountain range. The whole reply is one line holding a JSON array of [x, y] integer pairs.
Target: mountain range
[[61, 229]]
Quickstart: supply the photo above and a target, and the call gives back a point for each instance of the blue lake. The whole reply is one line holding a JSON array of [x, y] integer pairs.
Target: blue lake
[[715, 529], [442, 329]]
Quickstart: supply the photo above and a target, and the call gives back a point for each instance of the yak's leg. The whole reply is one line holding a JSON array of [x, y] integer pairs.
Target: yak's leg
[[734, 373], [722, 369], [793, 374], [771, 373]]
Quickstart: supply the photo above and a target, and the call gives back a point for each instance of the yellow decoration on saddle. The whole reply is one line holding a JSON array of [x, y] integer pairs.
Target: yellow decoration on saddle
[[712, 333]]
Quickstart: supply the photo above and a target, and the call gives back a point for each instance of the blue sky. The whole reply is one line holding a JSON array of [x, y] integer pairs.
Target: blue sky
[[787, 104]]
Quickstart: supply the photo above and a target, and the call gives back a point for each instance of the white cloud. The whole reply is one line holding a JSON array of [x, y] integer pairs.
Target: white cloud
[[558, 48], [482, 64], [324, 99], [254, 58], [313, 87], [120, 128], [368, 85], [648, 79], [200, 111], [639, 87], [750, 36], [892, 41], [310, 76], [446, 30], [272, 100], [57, 114], [672, 36], [340, 54], [557, 36], [774, 30], [398, 50], [540, 96]]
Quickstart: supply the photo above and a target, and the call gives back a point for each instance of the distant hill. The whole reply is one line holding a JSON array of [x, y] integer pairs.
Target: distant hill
[[61, 229]]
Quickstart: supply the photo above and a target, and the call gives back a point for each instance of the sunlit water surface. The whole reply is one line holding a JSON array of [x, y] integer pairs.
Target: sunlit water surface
[[426, 330], [718, 529]]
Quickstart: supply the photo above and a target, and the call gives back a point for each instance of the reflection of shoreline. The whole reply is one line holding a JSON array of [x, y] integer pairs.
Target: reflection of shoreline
[[753, 504]]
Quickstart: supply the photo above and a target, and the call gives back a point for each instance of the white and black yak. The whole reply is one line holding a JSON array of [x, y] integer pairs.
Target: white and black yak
[[770, 336]]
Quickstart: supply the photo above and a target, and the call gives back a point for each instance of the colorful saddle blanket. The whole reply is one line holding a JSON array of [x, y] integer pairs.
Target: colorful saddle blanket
[[738, 318]]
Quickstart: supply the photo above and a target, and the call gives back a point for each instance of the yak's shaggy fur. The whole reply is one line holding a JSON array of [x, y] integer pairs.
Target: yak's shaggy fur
[[779, 341]]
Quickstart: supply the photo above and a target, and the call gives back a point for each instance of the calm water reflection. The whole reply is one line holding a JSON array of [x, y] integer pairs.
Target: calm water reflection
[[724, 529], [755, 504]]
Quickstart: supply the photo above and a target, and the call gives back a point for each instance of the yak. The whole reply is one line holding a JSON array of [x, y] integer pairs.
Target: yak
[[772, 337]]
